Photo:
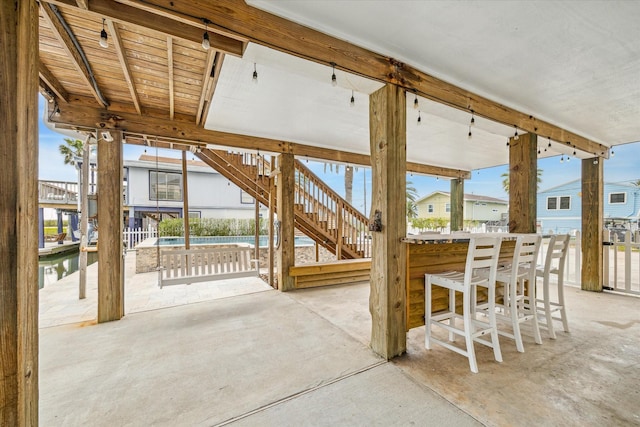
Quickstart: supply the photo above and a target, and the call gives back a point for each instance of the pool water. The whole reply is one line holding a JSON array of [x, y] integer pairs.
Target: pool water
[[52, 269]]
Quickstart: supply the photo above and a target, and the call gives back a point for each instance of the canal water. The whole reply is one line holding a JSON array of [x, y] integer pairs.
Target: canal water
[[52, 269]]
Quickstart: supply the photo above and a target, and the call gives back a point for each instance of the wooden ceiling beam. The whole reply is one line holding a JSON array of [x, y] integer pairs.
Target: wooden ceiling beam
[[172, 100], [52, 82], [188, 133], [235, 18], [72, 52], [193, 31], [117, 43], [211, 87], [206, 77]]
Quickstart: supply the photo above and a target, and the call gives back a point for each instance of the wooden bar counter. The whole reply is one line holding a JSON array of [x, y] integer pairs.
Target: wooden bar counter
[[437, 253]]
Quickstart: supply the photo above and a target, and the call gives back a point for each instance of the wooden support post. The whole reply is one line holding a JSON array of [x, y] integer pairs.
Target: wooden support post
[[457, 204], [19, 213], [387, 301], [84, 219], [185, 201], [285, 201], [592, 224], [110, 268], [523, 184], [272, 210]]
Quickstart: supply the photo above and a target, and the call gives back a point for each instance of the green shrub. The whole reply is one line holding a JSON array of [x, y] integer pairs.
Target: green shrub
[[211, 227]]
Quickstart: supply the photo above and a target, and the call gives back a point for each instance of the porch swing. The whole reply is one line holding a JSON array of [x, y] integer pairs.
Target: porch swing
[[177, 266]]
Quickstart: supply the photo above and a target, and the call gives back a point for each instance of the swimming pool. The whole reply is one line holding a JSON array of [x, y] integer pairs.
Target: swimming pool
[[207, 240]]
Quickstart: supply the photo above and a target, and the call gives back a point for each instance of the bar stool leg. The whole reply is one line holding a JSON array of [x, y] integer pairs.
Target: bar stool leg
[[427, 314], [513, 310], [468, 328], [452, 309], [494, 323], [547, 307], [563, 313], [532, 307]]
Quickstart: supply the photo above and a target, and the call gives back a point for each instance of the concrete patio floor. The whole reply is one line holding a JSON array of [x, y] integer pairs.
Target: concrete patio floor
[[237, 353]]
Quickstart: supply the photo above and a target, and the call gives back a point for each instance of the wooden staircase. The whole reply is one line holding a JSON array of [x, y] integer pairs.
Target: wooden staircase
[[320, 212]]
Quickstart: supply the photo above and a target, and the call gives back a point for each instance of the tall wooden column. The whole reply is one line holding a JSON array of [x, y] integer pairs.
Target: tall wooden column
[[185, 201], [110, 264], [592, 224], [19, 213], [457, 204], [523, 184], [285, 201], [387, 301]]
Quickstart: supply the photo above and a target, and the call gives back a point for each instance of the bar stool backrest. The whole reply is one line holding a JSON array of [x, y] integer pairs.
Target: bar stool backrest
[[483, 253], [526, 251], [557, 250]]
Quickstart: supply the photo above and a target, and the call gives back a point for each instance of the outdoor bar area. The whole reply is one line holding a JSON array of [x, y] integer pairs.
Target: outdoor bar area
[[255, 93]]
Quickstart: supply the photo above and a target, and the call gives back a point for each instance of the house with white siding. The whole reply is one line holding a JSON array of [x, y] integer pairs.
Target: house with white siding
[[154, 190]]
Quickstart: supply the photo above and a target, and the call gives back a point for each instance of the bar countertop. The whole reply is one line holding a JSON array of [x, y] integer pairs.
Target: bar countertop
[[436, 238]]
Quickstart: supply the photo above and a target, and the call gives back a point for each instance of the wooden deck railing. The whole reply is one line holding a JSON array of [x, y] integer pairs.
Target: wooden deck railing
[[57, 192], [320, 212], [332, 213]]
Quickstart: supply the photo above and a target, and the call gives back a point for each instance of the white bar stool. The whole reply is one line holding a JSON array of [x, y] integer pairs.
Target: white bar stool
[[519, 303], [557, 250], [482, 254]]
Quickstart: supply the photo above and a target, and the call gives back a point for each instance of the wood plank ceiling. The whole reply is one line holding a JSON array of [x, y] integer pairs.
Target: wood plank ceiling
[[141, 70], [156, 82]]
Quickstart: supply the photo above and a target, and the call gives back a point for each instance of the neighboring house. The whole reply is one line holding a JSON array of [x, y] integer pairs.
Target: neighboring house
[[155, 190], [476, 208], [560, 208]]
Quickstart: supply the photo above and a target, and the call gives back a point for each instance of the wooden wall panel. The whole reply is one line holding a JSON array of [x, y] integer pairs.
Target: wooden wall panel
[[457, 204]]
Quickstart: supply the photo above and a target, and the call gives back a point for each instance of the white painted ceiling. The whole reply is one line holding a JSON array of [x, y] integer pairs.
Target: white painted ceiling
[[574, 64]]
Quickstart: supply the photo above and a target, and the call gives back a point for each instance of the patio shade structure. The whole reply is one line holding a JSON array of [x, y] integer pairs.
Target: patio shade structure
[[137, 72]]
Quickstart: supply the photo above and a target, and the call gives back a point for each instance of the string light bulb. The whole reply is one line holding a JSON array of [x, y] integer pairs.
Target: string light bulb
[[515, 135], [562, 159], [508, 143], [574, 152], [473, 119], [334, 79], [415, 102], [353, 100], [613, 153], [595, 161], [549, 143], [206, 44], [104, 38], [419, 119], [255, 73], [470, 135]]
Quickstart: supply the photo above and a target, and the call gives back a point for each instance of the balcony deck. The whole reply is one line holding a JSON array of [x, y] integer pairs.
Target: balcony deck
[[238, 353]]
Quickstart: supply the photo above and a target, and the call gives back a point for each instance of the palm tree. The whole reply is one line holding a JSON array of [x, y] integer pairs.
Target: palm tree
[[412, 196], [71, 150], [505, 180]]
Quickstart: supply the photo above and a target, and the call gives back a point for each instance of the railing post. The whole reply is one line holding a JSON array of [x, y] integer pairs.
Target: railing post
[[606, 238], [339, 209], [627, 260]]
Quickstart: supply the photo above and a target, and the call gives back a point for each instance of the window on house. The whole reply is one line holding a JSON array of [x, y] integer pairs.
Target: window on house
[[195, 214], [245, 198], [617, 198], [562, 203], [430, 208], [165, 186], [447, 207]]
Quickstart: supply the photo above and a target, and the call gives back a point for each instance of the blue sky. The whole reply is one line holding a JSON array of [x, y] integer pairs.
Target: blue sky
[[623, 167]]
